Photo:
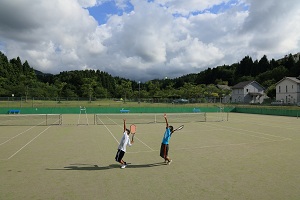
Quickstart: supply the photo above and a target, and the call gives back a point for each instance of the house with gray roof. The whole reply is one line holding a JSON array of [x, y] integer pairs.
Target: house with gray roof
[[288, 90], [248, 92]]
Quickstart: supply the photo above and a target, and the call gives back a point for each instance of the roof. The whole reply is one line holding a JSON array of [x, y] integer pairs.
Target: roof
[[294, 79], [242, 85]]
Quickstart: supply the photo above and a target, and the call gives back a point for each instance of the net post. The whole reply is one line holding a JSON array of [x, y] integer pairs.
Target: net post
[[46, 119], [205, 117], [60, 119]]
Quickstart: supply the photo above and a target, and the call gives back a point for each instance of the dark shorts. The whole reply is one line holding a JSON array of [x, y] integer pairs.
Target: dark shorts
[[164, 149], [119, 156]]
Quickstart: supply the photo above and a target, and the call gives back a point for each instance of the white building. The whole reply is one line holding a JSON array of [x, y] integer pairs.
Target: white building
[[288, 90], [247, 92]]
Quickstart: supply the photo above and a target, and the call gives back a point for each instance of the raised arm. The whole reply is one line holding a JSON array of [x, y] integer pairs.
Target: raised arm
[[124, 120], [167, 124]]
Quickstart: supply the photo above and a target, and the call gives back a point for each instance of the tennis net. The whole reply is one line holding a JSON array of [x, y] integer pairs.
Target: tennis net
[[31, 120], [147, 118]]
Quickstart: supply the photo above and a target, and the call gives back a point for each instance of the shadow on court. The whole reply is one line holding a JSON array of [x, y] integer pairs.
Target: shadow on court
[[89, 167]]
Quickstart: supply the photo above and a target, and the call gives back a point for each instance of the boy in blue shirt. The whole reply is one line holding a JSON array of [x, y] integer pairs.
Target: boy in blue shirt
[[164, 149]]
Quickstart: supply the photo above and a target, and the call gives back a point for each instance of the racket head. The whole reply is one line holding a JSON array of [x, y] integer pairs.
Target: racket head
[[179, 128], [132, 128]]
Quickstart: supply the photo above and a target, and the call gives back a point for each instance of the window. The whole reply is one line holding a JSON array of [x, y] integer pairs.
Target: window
[[286, 88], [278, 89]]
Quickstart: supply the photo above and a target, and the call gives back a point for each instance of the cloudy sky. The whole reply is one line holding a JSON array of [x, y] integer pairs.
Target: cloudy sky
[[146, 39]]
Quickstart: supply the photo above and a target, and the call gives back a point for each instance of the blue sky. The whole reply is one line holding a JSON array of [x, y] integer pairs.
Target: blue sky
[[144, 40], [102, 12]]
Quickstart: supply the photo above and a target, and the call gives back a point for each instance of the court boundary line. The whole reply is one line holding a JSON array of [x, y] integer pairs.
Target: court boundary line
[[121, 127], [214, 146], [17, 135], [235, 130], [249, 131], [226, 145], [27, 144], [268, 125], [110, 132], [144, 143]]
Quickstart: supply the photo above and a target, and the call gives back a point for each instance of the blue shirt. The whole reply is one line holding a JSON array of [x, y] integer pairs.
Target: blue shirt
[[167, 136]]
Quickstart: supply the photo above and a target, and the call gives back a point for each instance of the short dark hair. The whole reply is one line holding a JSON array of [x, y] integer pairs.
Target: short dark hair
[[128, 131], [171, 128]]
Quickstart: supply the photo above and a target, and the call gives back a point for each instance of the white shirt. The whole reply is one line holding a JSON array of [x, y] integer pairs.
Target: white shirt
[[124, 142]]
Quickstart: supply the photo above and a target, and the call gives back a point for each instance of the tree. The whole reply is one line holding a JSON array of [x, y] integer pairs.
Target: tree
[[245, 67], [153, 87], [271, 91], [263, 66], [126, 88], [88, 87], [59, 88]]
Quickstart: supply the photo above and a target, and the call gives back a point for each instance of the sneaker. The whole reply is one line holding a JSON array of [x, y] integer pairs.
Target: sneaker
[[123, 166], [169, 162]]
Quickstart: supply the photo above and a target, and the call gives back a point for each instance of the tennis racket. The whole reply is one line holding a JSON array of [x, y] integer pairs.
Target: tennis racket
[[179, 128], [132, 130]]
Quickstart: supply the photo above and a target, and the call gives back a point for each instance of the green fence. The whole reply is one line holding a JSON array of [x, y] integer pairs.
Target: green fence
[[92, 110], [268, 111]]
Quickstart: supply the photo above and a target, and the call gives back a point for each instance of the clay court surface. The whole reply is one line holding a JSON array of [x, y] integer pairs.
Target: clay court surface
[[247, 157]]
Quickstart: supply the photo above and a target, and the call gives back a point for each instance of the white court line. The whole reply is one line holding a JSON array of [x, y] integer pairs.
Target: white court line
[[110, 132], [238, 129], [272, 125], [17, 135], [28, 143], [141, 151], [226, 145], [121, 127], [144, 143], [214, 146]]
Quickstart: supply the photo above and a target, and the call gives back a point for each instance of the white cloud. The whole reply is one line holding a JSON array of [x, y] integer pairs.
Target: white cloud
[[273, 27], [149, 41], [90, 3], [186, 7]]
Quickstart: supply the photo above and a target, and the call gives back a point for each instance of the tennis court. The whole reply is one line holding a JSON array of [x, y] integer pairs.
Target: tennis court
[[247, 156]]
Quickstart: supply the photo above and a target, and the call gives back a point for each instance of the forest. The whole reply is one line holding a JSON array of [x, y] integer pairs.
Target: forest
[[21, 80]]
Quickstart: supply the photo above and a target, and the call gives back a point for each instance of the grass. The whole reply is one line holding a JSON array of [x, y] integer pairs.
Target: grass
[[98, 103], [113, 103]]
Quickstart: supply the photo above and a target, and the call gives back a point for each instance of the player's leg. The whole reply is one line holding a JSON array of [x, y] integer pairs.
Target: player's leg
[[167, 158], [119, 157], [163, 151], [123, 163]]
